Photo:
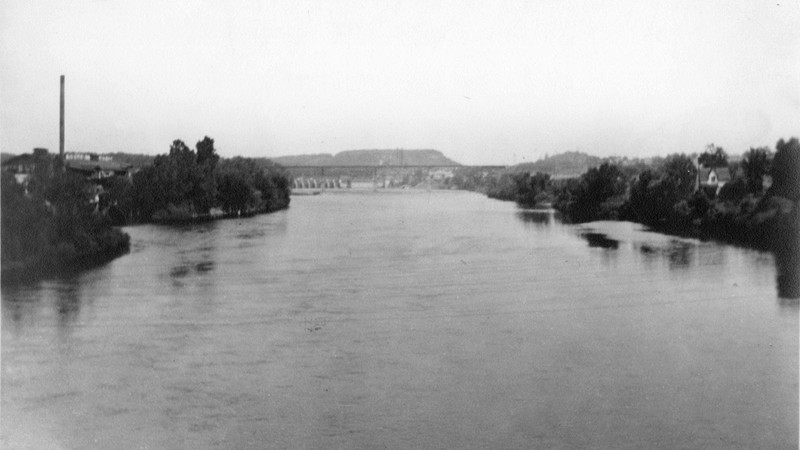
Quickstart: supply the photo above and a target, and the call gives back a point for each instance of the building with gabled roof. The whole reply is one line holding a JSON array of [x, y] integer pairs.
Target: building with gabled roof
[[713, 177]]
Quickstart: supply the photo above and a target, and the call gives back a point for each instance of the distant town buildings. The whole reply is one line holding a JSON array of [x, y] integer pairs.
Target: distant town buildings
[[441, 174], [94, 167], [22, 166]]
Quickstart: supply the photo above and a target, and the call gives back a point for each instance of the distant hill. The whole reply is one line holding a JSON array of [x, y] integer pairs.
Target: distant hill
[[369, 158], [562, 164], [320, 159]]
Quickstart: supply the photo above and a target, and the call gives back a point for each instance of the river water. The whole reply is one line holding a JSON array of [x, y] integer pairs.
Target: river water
[[404, 319]]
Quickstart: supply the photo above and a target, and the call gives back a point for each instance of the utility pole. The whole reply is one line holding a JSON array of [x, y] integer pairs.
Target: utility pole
[[61, 128]]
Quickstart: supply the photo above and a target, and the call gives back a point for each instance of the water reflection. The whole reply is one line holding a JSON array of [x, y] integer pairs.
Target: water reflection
[[600, 240], [541, 218], [19, 308], [195, 256], [179, 271], [68, 302], [680, 254], [787, 260], [185, 268], [205, 266], [23, 304]]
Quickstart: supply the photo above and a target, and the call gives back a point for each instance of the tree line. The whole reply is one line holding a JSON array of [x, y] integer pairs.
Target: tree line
[[58, 219], [666, 196], [187, 184]]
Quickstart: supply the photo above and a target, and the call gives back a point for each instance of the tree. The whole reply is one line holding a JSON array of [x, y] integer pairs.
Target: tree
[[206, 153], [713, 157], [182, 178], [734, 190], [661, 197], [205, 187], [786, 169], [42, 172], [597, 195], [73, 220], [503, 188], [680, 172], [532, 189], [24, 222], [234, 193], [179, 149], [184, 183], [756, 164], [604, 182], [117, 196], [54, 227]]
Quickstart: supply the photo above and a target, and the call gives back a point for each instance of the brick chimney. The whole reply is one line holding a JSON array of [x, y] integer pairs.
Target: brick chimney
[[61, 124]]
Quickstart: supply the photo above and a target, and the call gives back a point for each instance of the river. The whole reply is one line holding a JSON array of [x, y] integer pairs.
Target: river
[[404, 319]]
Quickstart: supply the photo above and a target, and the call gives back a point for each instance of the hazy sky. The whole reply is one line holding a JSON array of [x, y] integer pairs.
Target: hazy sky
[[485, 82]]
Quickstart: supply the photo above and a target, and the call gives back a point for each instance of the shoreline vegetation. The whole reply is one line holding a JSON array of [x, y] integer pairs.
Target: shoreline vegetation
[[60, 222], [185, 186], [50, 226], [759, 207]]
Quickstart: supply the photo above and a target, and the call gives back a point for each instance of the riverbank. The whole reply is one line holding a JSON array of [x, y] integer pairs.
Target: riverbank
[[51, 226], [66, 258], [185, 219]]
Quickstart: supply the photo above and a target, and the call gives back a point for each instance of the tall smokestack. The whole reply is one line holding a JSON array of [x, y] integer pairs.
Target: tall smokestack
[[61, 124]]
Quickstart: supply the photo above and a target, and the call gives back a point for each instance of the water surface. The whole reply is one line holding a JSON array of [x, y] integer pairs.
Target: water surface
[[404, 319]]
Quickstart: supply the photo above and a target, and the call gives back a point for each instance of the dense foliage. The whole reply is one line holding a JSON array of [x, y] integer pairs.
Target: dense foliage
[[713, 157], [186, 184], [596, 195], [666, 195], [756, 165], [54, 225], [56, 220]]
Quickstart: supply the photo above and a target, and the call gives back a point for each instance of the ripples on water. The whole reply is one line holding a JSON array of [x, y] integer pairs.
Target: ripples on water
[[404, 319]]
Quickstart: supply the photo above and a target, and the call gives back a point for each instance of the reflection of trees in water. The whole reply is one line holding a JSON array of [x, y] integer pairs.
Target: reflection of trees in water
[[20, 305], [540, 219], [68, 302], [196, 246], [680, 254], [787, 262], [600, 240], [23, 303]]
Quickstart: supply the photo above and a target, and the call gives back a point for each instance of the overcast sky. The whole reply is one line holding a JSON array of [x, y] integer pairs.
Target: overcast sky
[[485, 82]]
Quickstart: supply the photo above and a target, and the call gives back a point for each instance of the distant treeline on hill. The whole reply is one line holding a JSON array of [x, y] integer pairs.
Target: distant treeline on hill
[[369, 158], [562, 164]]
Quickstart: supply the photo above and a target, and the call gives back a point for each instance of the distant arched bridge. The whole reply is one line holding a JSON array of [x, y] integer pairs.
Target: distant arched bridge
[[386, 174]]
